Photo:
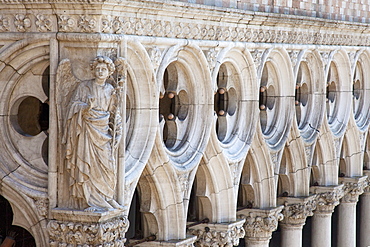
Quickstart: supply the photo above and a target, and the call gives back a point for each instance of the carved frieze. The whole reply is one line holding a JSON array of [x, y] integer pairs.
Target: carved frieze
[[260, 223], [224, 234], [109, 233], [174, 27], [353, 187]]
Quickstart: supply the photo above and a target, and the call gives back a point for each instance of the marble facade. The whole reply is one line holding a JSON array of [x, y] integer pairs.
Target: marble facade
[[251, 120]]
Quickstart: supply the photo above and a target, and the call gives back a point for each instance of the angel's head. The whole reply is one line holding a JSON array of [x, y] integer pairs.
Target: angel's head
[[103, 60]]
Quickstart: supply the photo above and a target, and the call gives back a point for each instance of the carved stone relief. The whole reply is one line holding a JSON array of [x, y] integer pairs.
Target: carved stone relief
[[89, 112]]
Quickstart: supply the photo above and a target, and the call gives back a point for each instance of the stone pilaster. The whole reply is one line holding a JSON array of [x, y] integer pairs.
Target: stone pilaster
[[327, 198], [259, 224], [222, 234], [78, 228]]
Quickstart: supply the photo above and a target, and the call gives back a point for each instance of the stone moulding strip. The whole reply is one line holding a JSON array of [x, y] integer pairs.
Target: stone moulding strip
[[184, 21]]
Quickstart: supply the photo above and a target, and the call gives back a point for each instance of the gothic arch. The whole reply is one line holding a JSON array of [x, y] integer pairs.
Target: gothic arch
[[23, 183]]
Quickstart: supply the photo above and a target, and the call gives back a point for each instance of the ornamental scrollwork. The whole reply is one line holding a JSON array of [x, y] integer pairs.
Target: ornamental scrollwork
[[110, 233], [296, 214], [261, 225]]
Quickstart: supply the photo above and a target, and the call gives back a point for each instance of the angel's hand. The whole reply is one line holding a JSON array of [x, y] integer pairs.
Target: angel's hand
[[90, 103]]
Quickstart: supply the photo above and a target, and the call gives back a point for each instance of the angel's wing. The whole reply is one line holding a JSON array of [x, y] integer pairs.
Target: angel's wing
[[66, 84]]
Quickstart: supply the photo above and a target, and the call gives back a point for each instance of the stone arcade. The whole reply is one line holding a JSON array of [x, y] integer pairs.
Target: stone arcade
[[216, 123]]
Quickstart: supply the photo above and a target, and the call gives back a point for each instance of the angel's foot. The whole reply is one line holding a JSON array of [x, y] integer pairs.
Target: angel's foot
[[91, 209], [115, 204]]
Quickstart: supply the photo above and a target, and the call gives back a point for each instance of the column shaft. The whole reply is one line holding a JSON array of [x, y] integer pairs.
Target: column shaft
[[347, 224], [365, 220], [291, 236], [260, 243], [321, 230]]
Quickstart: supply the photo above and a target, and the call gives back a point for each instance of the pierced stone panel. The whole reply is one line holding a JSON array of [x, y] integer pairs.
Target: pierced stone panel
[[338, 93], [360, 92], [309, 96], [226, 102], [174, 107], [276, 99]]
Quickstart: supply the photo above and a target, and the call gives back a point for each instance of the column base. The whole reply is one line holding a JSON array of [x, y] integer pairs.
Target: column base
[[76, 227]]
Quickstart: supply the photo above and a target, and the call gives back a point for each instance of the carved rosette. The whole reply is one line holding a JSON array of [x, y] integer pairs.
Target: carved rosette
[[260, 223], [327, 198], [109, 233], [226, 235], [353, 187], [296, 210]]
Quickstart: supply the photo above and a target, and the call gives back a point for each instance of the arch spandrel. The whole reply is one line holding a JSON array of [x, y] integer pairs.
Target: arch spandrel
[[351, 156], [261, 170]]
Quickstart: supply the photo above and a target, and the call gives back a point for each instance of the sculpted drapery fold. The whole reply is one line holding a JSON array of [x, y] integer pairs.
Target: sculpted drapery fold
[[91, 117]]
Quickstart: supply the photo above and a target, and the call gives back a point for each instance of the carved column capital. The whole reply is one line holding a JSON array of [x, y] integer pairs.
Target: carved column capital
[[353, 187], [78, 228], [367, 188], [260, 223], [327, 197], [297, 209], [222, 234]]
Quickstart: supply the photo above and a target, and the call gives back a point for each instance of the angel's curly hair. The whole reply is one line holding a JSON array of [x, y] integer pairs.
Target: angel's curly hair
[[103, 59]]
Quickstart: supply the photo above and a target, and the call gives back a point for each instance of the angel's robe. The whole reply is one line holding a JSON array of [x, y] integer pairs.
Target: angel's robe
[[89, 146]]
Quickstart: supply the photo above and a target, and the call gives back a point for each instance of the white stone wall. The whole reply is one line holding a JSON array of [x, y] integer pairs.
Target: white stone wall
[[265, 106]]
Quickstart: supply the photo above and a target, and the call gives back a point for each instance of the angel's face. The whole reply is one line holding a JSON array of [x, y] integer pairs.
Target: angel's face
[[101, 71]]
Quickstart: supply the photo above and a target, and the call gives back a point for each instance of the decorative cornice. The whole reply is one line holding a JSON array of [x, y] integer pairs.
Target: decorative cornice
[[260, 223], [108, 233], [327, 197], [223, 234], [353, 187], [297, 209], [183, 21]]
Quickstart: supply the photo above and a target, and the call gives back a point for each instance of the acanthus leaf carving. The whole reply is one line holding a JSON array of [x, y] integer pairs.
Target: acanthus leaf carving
[[353, 188], [260, 223], [87, 23], [223, 234], [108, 233], [327, 198], [296, 210]]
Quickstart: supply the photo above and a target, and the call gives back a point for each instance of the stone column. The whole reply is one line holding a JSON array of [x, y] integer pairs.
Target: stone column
[[259, 225], [365, 214], [79, 228], [353, 187], [221, 234], [296, 210], [327, 198]]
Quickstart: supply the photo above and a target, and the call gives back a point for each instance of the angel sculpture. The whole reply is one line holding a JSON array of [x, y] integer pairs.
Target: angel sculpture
[[92, 128]]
